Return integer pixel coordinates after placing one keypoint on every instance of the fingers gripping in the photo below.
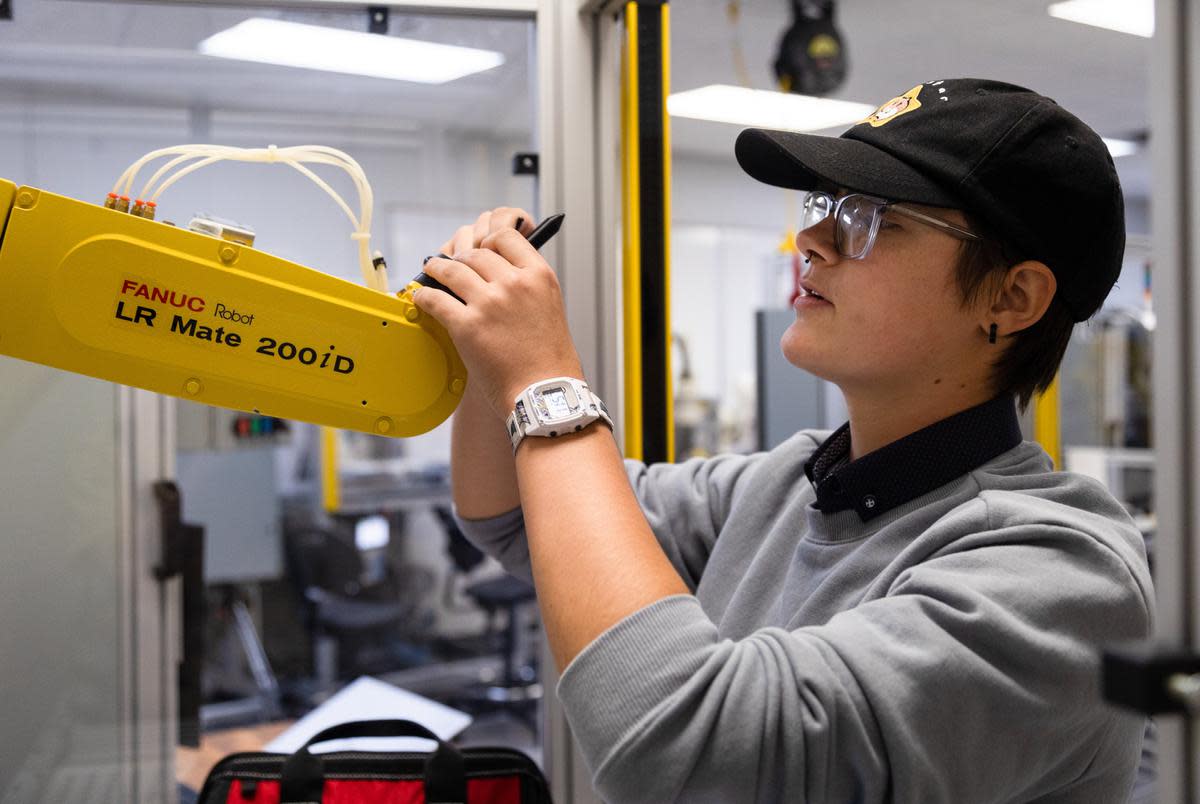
(509, 218)
(514, 248)
(461, 279)
(472, 235)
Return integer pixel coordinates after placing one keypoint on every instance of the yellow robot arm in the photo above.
(136, 301)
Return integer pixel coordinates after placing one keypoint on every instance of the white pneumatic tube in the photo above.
(201, 155)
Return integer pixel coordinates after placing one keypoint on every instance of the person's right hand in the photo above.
(471, 236)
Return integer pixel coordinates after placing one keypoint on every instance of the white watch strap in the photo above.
(518, 420)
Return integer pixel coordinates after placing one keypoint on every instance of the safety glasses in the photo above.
(858, 218)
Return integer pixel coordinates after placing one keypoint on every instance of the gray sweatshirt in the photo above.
(944, 651)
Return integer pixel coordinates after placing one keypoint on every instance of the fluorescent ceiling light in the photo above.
(765, 109)
(1119, 148)
(1126, 16)
(314, 47)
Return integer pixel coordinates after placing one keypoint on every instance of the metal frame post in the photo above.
(1175, 103)
(574, 177)
(646, 173)
(150, 610)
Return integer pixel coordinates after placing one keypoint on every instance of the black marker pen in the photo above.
(539, 237)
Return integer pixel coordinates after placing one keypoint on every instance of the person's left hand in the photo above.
(512, 329)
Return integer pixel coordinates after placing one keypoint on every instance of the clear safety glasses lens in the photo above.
(817, 207)
(857, 220)
(857, 225)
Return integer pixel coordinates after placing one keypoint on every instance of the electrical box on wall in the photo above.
(205, 428)
(789, 399)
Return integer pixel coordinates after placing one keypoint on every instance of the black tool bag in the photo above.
(449, 775)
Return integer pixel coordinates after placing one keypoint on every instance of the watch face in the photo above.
(556, 405)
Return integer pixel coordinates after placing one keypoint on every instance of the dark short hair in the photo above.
(1028, 360)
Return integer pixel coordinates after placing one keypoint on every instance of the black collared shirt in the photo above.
(916, 464)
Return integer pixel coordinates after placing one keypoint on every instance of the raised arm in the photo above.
(482, 473)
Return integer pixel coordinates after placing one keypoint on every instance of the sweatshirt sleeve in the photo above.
(974, 675)
(686, 505)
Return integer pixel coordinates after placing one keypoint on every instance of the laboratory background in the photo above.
(181, 581)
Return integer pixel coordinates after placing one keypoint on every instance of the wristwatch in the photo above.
(555, 407)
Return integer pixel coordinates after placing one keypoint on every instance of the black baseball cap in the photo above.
(1034, 174)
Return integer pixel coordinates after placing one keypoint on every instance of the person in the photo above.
(907, 609)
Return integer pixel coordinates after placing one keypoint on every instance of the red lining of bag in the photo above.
(500, 790)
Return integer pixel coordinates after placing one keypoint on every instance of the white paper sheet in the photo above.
(369, 698)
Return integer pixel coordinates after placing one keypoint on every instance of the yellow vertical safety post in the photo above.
(646, 183)
(1047, 429)
(331, 493)
(630, 251)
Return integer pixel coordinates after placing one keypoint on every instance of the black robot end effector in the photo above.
(539, 237)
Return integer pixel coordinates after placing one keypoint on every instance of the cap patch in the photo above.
(902, 104)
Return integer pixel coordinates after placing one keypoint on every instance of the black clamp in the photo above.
(1152, 679)
(183, 554)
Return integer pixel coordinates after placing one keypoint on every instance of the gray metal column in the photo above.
(151, 609)
(1175, 100)
(577, 78)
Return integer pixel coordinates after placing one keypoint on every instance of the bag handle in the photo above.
(303, 777)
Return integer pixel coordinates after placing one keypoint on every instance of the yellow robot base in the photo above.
(111, 295)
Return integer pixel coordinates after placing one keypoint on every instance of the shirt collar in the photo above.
(914, 465)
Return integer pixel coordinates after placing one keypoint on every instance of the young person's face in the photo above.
(893, 321)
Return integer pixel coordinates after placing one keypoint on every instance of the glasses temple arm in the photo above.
(946, 226)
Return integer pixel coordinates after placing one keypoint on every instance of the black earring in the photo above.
(992, 334)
